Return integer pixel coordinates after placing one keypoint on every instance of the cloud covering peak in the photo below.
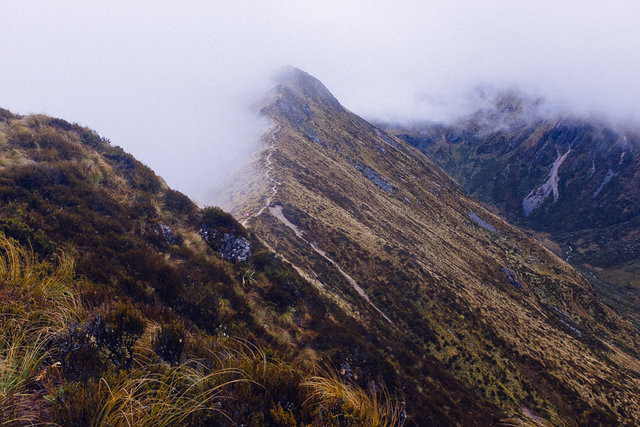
(171, 82)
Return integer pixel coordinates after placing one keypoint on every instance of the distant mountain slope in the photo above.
(578, 180)
(123, 303)
(438, 282)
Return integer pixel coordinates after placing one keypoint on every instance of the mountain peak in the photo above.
(293, 82)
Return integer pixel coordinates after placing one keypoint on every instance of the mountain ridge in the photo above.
(456, 317)
(409, 236)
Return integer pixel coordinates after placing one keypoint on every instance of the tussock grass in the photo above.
(373, 408)
(166, 398)
(36, 292)
(36, 301)
(22, 352)
(39, 302)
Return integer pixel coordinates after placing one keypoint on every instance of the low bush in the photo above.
(116, 332)
(169, 342)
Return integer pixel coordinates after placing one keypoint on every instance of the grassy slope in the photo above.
(596, 225)
(139, 330)
(549, 345)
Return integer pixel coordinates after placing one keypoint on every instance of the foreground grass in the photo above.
(36, 302)
(373, 407)
(165, 399)
(221, 381)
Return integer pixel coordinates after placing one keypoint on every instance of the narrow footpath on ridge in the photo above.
(276, 211)
(269, 175)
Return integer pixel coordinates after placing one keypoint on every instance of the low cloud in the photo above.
(173, 82)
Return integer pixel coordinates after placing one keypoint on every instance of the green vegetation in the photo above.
(114, 310)
(219, 380)
(499, 155)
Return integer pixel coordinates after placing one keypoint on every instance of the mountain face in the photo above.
(479, 321)
(576, 180)
(123, 303)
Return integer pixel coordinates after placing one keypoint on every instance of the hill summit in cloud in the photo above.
(441, 285)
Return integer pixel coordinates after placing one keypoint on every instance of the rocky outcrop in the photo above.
(235, 249)
(231, 247)
(482, 223)
(166, 232)
(512, 276)
(374, 177)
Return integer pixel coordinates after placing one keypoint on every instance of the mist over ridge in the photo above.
(173, 83)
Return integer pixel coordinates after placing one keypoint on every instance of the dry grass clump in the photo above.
(36, 292)
(36, 301)
(372, 407)
(169, 397)
(21, 354)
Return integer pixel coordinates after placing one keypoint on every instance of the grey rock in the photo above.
(163, 230)
(387, 139)
(167, 233)
(481, 222)
(232, 248)
(235, 249)
(209, 234)
(380, 148)
(511, 275)
(375, 178)
(312, 135)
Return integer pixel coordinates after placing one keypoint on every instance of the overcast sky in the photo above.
(171, 81)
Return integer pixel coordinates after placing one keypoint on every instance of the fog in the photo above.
(173, 82)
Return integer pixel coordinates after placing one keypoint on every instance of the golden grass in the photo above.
(167, 398)
(388, 245)
(373, 407)
(21, 354)
(44, 291)
(36, 301)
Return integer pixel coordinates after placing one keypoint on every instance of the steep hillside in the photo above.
(123, 303)
(471, 313)
(577, 180)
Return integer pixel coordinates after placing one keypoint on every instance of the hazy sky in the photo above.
(171, 81)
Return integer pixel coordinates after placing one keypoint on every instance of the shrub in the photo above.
(15, 228)
(168, 342)
(178, 203)
(224, 222)
(6, 115)
(282, 295)
(143, 178)
(79, 403)
(117, 332)
(92, 139)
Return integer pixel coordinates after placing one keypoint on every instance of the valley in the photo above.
(575, 179)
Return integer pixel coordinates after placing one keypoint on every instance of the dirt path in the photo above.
(276, 211)
(269, 175)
